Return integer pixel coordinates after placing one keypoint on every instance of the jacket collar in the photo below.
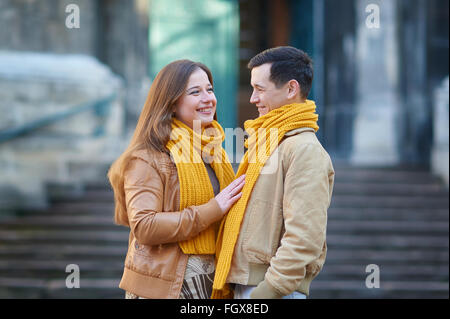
(299, 130)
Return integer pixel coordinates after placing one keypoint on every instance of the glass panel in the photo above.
(206, 31)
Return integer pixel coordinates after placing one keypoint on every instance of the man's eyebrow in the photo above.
(258, 86)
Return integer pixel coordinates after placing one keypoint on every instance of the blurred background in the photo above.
(73, 79)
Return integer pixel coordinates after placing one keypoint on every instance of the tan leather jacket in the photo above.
(155, 264)
(282, 241)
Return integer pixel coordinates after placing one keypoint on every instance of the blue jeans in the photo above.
(243, 292)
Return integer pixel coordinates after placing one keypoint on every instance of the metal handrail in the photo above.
(99, 106)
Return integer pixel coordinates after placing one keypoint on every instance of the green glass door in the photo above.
(205, 31)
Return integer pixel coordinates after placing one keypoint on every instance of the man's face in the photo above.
(266, 96)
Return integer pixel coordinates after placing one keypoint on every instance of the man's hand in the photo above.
(265, 291)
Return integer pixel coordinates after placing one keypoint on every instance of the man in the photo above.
(272, 243)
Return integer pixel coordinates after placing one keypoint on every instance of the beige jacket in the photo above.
(282, 241)
(155, 264)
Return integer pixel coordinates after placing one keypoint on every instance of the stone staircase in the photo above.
(397, 219)
(37, 246)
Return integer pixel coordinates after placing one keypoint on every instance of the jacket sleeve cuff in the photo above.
(210, 212)
(265, 291)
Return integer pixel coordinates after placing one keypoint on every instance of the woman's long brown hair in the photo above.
(154, 124)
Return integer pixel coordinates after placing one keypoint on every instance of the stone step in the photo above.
(354, 238)
(374, 175)
(367, 175)
(347, 268)
(97, 196)
(37, 251)
(356, 201)
(333, 289)
(82, 209)
(397, 220)
(384, 227)
(335, 255)
(387, 272)
(344, 176)
(390, 289)
(386, 256)
(51, 236)
(340, 189)
(97, 185)
(92, 270)
(398, 189)
(57, 268)
(397, 214)
(79, 208)
(383, 241)
(60, 274)
(349, 202)
(11, 287)
(334, 226)
(58, 221)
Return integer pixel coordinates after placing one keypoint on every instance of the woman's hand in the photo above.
(230, 194)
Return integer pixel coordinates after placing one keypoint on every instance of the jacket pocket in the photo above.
(262, 233)
(158, 261)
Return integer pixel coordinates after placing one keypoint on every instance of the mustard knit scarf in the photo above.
(283, 119)
(187, 148)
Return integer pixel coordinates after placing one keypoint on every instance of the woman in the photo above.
(172, 186)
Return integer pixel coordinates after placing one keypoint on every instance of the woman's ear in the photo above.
(293, 89)
(174, 110)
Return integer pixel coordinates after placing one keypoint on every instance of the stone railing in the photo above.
(62, 122)
(440, 151)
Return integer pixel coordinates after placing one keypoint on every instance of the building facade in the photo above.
(381, 67)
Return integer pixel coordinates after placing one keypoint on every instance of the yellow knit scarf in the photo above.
(187, 147)
(283, 119)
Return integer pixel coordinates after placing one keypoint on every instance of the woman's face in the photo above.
(198, 102)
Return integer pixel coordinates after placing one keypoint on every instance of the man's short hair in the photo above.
(288, 63)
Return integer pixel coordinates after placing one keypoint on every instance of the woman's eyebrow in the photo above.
(197, 87)
(193, 87)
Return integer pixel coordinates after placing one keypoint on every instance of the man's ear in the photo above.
(294, 89)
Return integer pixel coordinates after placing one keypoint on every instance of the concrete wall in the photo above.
(47, 68)
(36, 86)
(113, 31)
(40, 26)
(440, 151)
